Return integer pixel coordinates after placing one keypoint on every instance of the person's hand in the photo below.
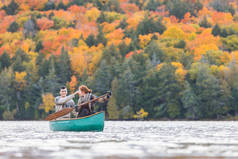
(109, 93)
(77, 92)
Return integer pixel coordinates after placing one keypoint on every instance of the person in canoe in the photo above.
(85, 95)
(64, 101)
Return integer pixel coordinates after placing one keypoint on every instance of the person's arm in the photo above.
(72, 104)
(100, 100)
(65, 99)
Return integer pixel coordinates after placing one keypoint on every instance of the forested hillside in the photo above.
(168, 59)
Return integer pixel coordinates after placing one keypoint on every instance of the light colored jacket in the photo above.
(64, 102)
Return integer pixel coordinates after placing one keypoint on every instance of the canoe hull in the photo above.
(93, 122)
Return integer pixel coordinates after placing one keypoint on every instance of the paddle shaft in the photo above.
(68, 110)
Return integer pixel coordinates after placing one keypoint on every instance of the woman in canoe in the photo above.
(85, 95)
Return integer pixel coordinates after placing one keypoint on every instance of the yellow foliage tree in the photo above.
(180, 72)
(202, 49)
(127, 41)
(141, 114)
(92, 14)
(20, 80)
(214, 69)
(174, 32)
(159, 66)
(48, 102)
(144, 40)
(114, 16)
(79, 63)
(109, 27)
(28, 45)
(31, 65)
(203, 43)
(115, 37)
(234, 55)
(95, 55)
(223, 70)
(135, 19)
(177, 64)
(222, 18)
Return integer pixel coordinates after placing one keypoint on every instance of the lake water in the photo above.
(121, 139)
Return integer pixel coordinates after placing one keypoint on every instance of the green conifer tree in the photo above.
(112, 108)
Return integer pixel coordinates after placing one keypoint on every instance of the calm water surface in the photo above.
(121, 139)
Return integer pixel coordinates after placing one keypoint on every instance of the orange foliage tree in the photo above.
(44, 23)
(72, 84)
(203, 43)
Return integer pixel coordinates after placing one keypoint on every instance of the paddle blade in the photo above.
(59, 114)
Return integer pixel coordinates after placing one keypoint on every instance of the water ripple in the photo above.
(122, 139)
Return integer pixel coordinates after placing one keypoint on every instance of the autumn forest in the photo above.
(162, 59)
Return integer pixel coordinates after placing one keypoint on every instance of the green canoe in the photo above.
(94, 122)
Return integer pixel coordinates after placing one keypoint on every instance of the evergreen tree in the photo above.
(79, 2)
(209, 92)
(61, 6)
(111, 56)
(49, 6)
(12, 8)
(114, 5)
(101, 18)
(123, 24)
(51, 82)
(39, 46)
(5, 61)
(161, 93)
(179, 8)
(216, 30)
(127, 90)
(204, 23)
(63, 67)
(33, 97)
(232, 80)
(181, 44)
(43, 65)
(123, 49)
(222, 6)
(190, 103)
(6, 91)
(230, 43)
(90, 41)
(112, 108)
(13, 27)
(102, 78)
(139, 65)
(18, 60)
(169, 92)
(155, 53)
(148, 25)
(100, 38)
(153, 5)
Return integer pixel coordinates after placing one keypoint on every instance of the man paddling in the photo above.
(64, 101)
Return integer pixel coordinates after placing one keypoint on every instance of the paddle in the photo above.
(68, 110)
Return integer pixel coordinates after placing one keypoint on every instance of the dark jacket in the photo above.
(86, 109)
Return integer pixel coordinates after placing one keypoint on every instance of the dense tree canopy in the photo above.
(162, 59)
